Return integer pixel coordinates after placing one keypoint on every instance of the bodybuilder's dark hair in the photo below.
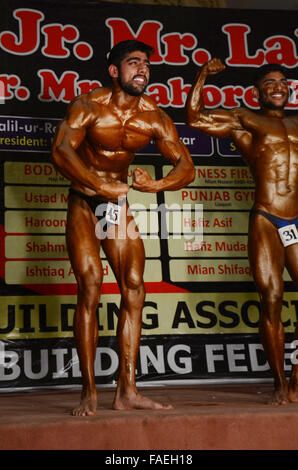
(123, 48)
(264, 70)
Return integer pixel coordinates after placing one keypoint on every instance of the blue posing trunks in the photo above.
(287, 228)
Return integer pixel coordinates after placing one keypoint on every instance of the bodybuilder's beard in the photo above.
(130, 88)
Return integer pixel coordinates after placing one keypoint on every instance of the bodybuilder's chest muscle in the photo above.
(113, 133)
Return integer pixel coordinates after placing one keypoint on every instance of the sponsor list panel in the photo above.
(35, 200)
(213, 221)
(205, 226)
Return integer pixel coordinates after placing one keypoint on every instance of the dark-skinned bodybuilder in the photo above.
(268, 141)
(93, 148)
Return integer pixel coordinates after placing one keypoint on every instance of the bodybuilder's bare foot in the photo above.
(87, 406)
(280, 396)
(138, 402)
(293, 391)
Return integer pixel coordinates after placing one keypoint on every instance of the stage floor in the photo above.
(205, 417)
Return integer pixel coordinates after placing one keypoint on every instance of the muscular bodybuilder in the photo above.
(268, 141)
(93, 148)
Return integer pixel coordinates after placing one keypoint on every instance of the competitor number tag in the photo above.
(113, 213)
(288, 234)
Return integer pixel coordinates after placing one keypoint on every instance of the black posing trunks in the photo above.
(99, 207)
